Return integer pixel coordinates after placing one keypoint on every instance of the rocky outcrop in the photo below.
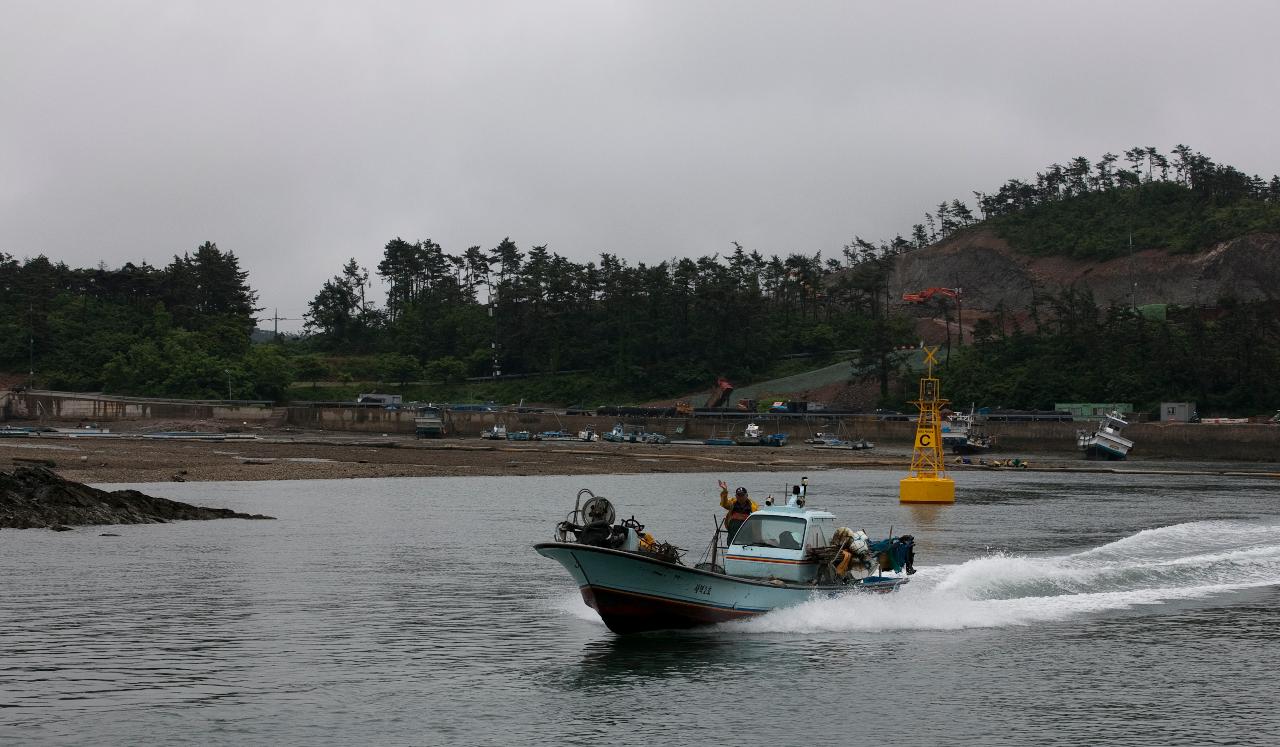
(992, 273)
(32, 497)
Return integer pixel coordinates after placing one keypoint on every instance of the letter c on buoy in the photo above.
(924, 441)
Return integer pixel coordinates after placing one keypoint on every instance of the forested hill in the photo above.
(1180, 203)
(642, 330)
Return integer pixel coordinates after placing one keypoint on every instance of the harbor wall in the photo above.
(1246, 442)
(62, 407)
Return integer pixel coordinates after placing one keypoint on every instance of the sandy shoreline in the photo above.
(318, 456)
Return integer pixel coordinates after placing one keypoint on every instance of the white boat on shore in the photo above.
(1105, 442)
(828, 440)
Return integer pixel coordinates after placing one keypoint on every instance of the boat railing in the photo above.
(713, 558)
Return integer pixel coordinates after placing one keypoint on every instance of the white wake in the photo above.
(1156, 566)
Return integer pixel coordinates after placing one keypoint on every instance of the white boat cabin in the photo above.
(772, 543)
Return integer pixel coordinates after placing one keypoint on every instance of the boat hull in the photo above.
(636, 593)
(1104, 452)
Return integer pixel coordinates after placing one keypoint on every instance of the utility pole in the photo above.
(228, 373)
(1133, 281)
(31, 346)
(276, 319)
(493, 345)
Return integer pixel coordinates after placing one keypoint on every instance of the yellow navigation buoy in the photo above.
(928, 481)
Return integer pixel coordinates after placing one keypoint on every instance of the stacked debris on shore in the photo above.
(34, 497)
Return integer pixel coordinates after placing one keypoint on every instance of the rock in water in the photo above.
(32, 497)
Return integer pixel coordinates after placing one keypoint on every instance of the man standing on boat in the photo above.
(740, 507)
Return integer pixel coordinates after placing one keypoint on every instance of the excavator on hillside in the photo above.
(954, 294)
(927, 293)
(720, 395)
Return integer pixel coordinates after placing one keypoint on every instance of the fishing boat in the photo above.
(965, 434)
(634, 435)
(497, 433)
(754, 435)
(955, 429)
(428, 422)
(828, 440)
(1105, 442)
(782, 555)
(857, 444)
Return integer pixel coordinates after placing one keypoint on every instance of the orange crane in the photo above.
(954, 294)
(927, 293)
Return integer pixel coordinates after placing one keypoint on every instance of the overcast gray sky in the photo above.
(298, 134)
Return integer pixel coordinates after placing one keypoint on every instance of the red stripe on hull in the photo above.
(627, 612)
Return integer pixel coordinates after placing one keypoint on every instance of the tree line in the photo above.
(181, 330)
(1223, 358)
(654, 327)
(662, 328)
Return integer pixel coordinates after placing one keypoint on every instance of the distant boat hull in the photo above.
(1103, 452)
(635, 593)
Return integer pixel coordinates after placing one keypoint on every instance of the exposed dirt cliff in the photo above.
(991, 273)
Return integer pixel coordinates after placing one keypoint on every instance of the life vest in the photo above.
(740, 511)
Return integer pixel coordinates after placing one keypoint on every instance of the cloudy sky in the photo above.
(298, 134)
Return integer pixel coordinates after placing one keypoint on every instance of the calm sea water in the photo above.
(1103, 608)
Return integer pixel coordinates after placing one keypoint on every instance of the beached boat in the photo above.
(965, 434)
(428, 422)
(827, 440)
(497, 433)
(1105, 442)
(619, 434)
(754, 435)
(955, 429)
(857, 444)
(781, 556)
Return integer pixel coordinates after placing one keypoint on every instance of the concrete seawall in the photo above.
(66, 407)
(1244, 442)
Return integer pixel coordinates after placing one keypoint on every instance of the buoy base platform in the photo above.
(927, 490)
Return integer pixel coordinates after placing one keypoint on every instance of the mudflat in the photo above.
(321, 455)
(312, 456)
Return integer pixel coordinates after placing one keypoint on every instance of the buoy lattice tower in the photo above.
(928, 481)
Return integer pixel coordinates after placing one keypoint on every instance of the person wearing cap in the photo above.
(740, 507)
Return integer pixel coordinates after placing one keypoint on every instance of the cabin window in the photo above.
(819, 533)
(785, 532)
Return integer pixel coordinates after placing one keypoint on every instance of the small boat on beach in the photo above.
(428, 422)
(497, 433)
(965, 434)
(1105, 442)
(782, 555)
(633, 435)
(754, 435)
(828, 440)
